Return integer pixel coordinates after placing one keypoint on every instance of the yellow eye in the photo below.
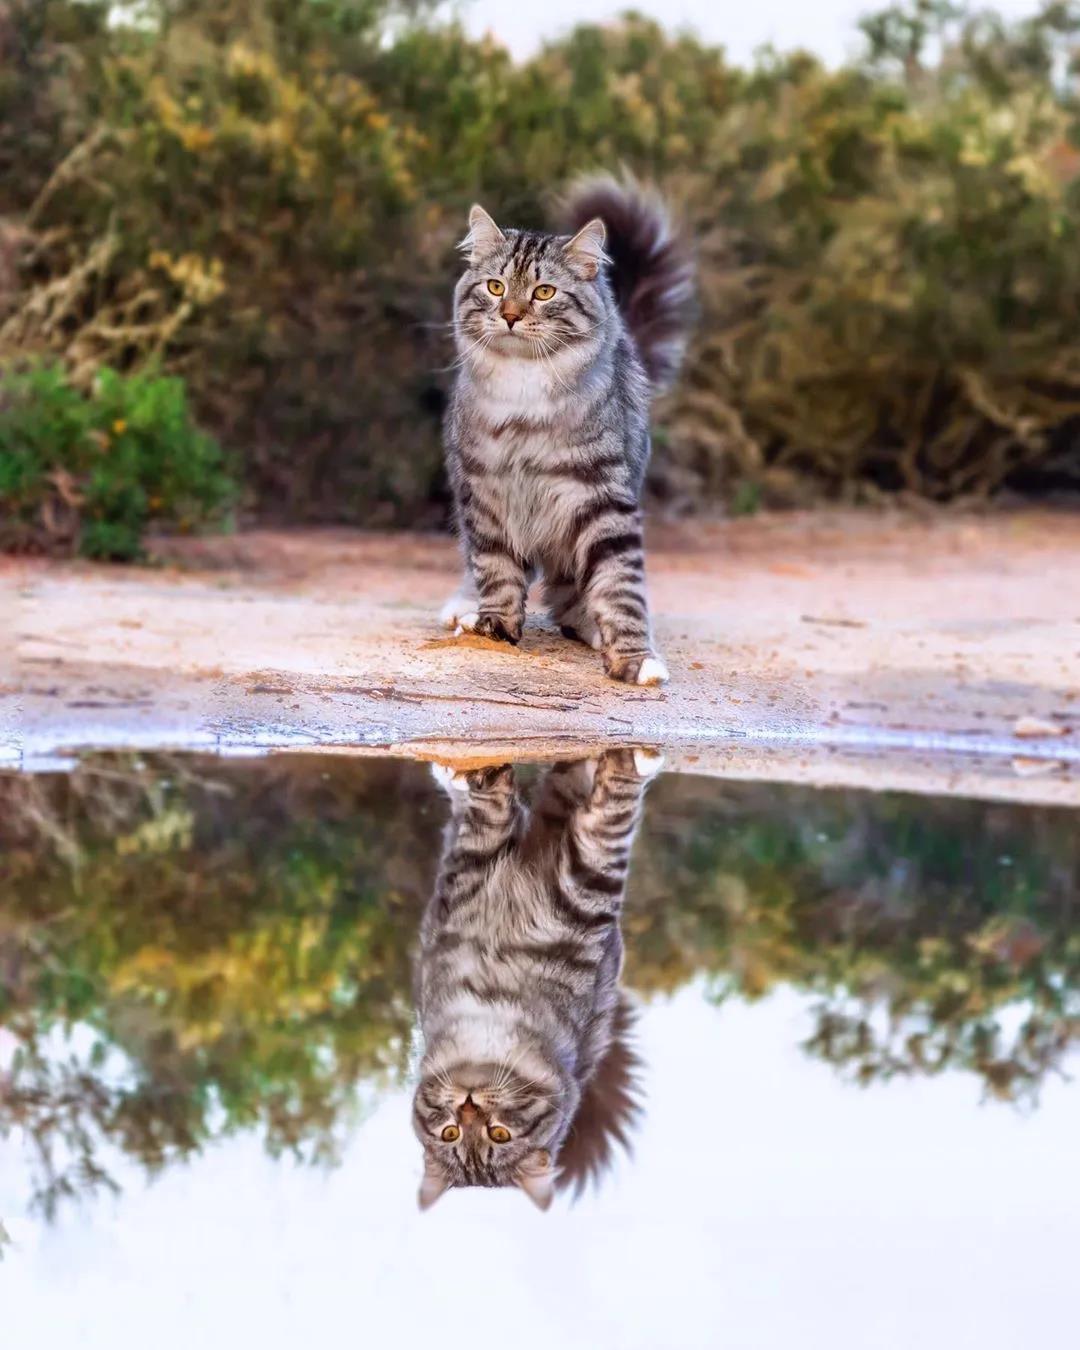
(544, 292)
(498, 1134)
(496, 287)
(450, 1134)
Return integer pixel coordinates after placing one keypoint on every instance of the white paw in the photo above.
(455, 607)
(653, 671)
(449, 779)
(467, 623)
(648, 763)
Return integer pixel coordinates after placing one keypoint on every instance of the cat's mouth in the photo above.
(518, 344)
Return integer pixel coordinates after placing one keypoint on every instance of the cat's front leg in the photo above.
(486, 807)
(501, 583)
(595, 851)
(611, 583)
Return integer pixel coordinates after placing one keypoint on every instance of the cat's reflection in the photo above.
(526, 1077)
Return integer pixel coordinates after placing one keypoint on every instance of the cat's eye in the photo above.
(450, 1133)
(496, 287)
(544, 292)
(498, 1134)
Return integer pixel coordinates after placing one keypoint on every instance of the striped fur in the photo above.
(517, 977)
(547, 433)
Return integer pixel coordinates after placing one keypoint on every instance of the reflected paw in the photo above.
(450, 780)
(648, 763)
(491, 778)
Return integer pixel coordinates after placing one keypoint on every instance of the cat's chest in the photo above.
(524, 484)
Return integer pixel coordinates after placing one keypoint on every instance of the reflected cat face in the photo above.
(488, 1125)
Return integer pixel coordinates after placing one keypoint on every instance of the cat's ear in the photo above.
(585, 252)
(434, 1183)
(536, 1177)
(484, 235)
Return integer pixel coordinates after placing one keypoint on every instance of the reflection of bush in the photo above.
(244, 944)
(268, 193)
(917, 924)
(234, 942)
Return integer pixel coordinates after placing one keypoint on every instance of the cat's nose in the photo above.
(467, 1111)
(511, 313)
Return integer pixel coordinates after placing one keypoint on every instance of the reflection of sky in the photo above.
(769, 1205)
(827, 27)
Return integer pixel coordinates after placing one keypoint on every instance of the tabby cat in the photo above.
(517, 978)
(562, 339)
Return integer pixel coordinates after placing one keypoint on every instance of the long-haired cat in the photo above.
(523, 1023)
(562, 341)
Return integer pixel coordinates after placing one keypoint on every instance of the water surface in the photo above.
(854, 1126)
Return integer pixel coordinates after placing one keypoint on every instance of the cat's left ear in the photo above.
(585, 252)
(435, 1182)
(536, 1177)
(484, 235)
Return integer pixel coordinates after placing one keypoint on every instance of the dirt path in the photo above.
(835, 649)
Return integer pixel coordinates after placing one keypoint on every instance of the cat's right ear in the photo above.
(484, 235)
(435, 1182)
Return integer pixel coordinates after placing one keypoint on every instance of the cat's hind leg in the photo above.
(565, 607)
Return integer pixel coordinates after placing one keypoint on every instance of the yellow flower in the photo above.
(119, 427)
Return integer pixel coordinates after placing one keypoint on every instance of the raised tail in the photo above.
(652, 273)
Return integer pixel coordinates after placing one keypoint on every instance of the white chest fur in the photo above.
(522, 404)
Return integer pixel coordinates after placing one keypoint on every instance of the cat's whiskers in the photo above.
(483, 341)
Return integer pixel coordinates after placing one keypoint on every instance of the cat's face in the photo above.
(488, 1125)
(530, 295)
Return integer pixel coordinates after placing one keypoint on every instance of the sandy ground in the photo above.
(938, 654)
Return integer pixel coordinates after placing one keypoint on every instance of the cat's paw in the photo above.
(652, 671)
(636, 668)
(648, 763)
(582, 630)
(451, 613)
(486, 623)
(450, 780)
(491, 778)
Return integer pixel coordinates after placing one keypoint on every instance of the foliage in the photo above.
(188, 951)
(267, 194)
(91, 472)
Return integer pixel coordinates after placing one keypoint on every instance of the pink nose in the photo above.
(511, 313)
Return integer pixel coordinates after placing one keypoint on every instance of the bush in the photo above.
(266, 194)
(90, 473)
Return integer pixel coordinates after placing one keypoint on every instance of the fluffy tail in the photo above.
(652, 273)
(610, 1104)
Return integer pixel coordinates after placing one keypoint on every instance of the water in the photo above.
(855, 1014)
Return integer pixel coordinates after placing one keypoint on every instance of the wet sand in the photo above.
(937, 654)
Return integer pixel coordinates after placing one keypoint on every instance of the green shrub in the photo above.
(91, 473)
(265, 195)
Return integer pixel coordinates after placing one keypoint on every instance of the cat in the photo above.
(562, 339)
(523, 1023)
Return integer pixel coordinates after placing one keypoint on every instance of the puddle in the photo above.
(825, 1102)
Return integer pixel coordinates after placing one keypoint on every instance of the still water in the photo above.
(827, 1104)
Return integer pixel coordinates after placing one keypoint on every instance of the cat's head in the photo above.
(530, 294)
(488, 1125)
